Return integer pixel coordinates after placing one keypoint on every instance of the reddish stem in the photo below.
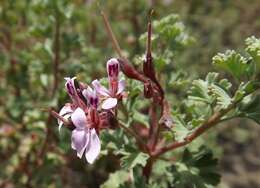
(212, 121)
(148, 169)
(153, 126)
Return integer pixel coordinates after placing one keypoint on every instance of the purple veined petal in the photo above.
(79, 140)
(93, 148)
(69, 85)
(113, 68)
(79, 118)
(109, 103)
(121, 86)
(91, 96)
(100, 89)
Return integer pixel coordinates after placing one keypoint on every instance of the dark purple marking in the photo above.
(70, 88)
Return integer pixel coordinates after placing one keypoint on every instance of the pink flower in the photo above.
(116, 87)
(85, 118)
(77, 100)
(84, 138)
(83, 112)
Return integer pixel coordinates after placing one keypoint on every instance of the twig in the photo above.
(111, 35)
(153, 126)
(208, 124)
(149, 71)
(211, 122)
(135, 25)
(148, 168)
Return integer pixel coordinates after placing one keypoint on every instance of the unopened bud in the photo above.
(130, 71)
(113, 69)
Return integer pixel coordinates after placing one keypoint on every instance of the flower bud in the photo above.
(113, 69)
(70, 86)
(130, 71)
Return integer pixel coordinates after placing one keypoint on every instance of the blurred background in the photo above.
(43, 41)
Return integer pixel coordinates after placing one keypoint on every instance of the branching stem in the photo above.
(211, 122)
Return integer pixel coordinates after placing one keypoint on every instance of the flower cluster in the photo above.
(91, 109)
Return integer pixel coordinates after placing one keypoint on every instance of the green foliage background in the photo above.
(32, 152)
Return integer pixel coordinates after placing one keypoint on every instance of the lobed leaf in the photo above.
(232, 62)
(251, 109)
(253, 48)
(130, 160)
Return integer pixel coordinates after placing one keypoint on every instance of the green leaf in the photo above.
(244, 88)
(251, 109)
(116, 179)
(233, 63)
(224, 83)
(171, 30)
(130, 160)
(179, 129)
(197, 169)
(223, 99)
(141, 118)
(253, 48)
(199, 91)
(212, 77)
(196, 122)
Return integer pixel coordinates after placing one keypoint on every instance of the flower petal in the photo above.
(109, 103)
(87, 92)
(66, 112)
(70, 87)
(65, 109)
(121, 86)
(79, 141)
(92, 97)
(100, 89)
(67, 116)
(93, 148)
(79, 118)
(113, 68)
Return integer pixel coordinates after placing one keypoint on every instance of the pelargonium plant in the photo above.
(91, 109)
(95, 107)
